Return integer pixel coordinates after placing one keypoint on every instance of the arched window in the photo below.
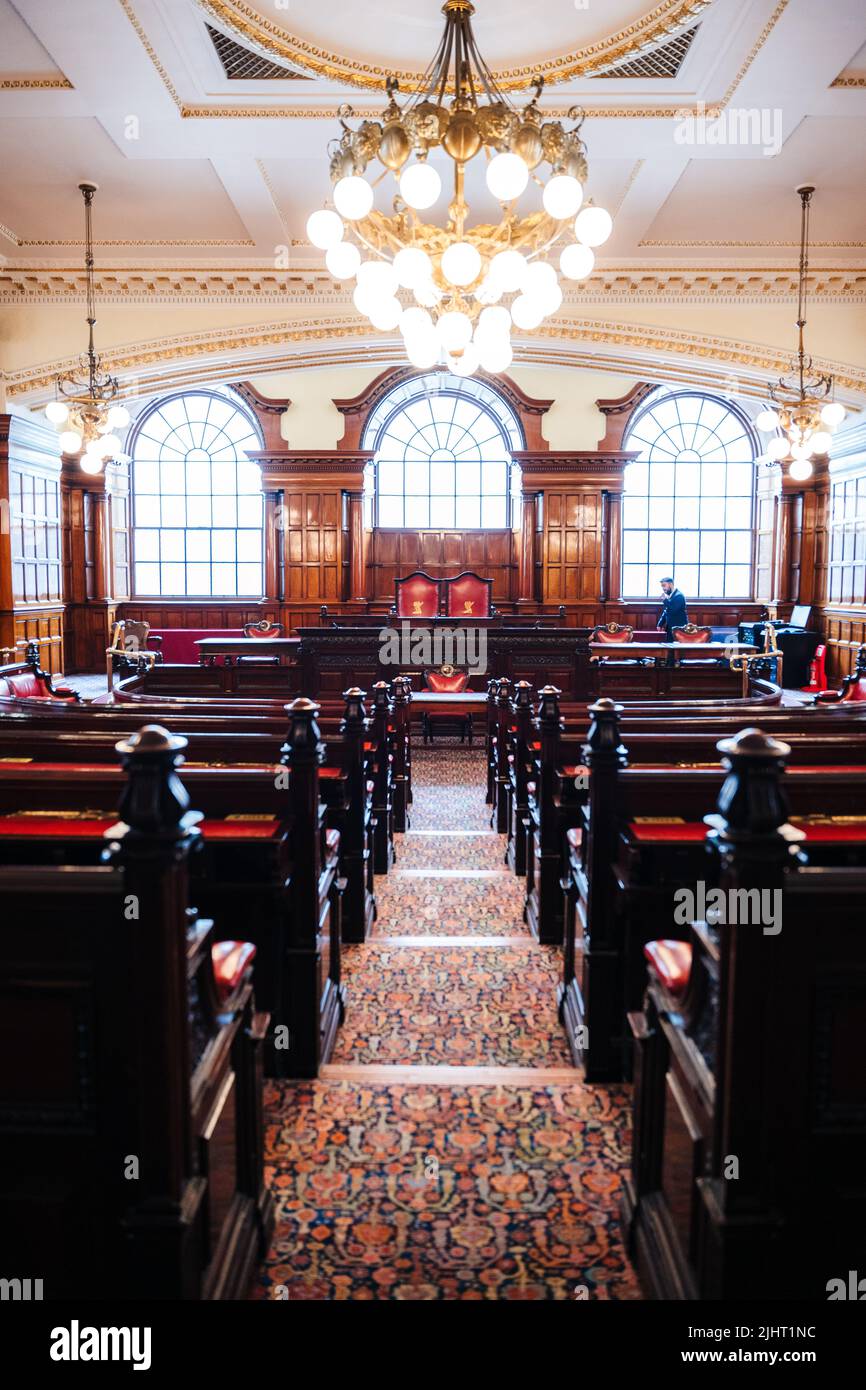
(197, 499)
(687, 503)
(443, 460)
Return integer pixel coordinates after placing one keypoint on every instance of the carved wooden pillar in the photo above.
(526, 567)
(785, 518)
(102, 585)
(613, 556)
(273, 532)
(357, 556)
(813, 535)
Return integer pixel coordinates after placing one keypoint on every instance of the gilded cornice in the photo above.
(271, 39)
(667, 19)
(741, 368)
(45, 284)
(35, 84)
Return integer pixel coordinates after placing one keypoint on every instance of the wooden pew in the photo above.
(629, 858)
(266, 857)
(748, 1171)
(130, 1091)
(240, 734)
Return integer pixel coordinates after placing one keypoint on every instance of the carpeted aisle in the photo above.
(449, 1151)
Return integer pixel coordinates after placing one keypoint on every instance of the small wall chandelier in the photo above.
(460, 276)
(85, 410)
(800, 407)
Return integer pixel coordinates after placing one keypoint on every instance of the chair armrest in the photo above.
(827, 697)
(154, 641)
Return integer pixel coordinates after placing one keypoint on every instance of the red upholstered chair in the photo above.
(817, 671)
(853, 690)
(446, 681)
(612, 632)
(232, 961)
(671, 963)
(692, 634)
(467, 595)
(416, 596)
(258, 632)
(25, 680)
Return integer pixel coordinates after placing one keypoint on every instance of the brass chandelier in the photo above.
(800, 407)
(85, 409)
(469, 283)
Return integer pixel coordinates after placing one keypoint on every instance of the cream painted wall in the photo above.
(312, 422)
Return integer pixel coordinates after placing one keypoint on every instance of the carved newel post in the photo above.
(152, 846)
(382, 808)
(358, 901)
(402, 768)
(603, 963)
(503, 739)
(755, 846)
(521, 713)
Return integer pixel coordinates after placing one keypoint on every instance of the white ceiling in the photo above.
(205, 181)
(189, 161)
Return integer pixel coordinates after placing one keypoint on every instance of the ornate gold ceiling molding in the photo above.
(755, 245)
(35, 84)
(42, 285)
(164, 241)
(666, 19)
(857, 81)
(266, 37)
(225, 352)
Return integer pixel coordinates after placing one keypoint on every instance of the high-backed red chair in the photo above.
(467, 595)
(612, 632)
(817, 671)
(258, 631)
(691, 634)
(416, 596)
(853, 690)
(447, 680)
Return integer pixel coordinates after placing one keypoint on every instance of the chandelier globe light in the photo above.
(457, 288)
(800, 416)
(86, 411)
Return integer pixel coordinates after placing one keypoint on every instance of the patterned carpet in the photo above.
(441, 1193)
(437, 1181)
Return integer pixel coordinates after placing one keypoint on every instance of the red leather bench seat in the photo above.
(178, 643)
(847, 831)
(94, 828)
(230, 962)
(27, 686)
(671, 963)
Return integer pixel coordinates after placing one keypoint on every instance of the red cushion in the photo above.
(230, 961)
(273, 630)
(671, 962)
(417, 597)
(178, 643)
(441, 685)
(467, 597)
(575, 771)
(703, 634)
(659, 832)
(602, 635)
(856, 693)
(27, 685)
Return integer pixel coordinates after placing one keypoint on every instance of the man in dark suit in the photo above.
(673, 612)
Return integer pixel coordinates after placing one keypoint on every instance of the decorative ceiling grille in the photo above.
(665, 61)
(242, 65)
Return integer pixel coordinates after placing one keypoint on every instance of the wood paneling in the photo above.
(31, 567)
(394, 554)
(844, 617)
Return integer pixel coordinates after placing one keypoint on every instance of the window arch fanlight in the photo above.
(443, 455)
(196, 498)
(688, 497)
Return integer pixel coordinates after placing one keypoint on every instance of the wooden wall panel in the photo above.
(394, 554)
(844, 617)
(31, 527)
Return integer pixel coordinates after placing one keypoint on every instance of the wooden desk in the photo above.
(457, 704)
(286, 648)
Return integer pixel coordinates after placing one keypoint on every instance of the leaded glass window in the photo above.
(197, 499)
(687, 500)
(443, 460)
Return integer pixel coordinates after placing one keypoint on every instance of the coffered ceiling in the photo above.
(207, 175)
